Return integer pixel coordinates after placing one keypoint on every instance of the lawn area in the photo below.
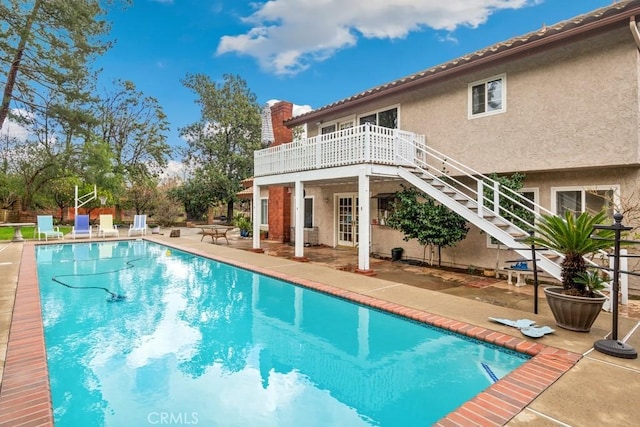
(6, 233)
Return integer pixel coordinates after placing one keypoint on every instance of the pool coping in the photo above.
(25, 396)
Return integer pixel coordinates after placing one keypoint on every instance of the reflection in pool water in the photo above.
(201, 342)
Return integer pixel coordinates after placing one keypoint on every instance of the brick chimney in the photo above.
(280, 197)
(280, 112)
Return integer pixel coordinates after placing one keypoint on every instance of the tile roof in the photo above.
(609, 15)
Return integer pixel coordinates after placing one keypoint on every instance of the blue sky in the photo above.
(309, 52)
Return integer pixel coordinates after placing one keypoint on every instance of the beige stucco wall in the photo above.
(576, 106)
(571, 121)
(570, 107)
(474, 250)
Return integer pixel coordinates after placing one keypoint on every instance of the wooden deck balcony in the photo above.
(361, 144)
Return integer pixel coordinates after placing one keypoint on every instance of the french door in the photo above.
(347, 215)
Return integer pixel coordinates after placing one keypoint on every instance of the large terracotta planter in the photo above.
(571, 312)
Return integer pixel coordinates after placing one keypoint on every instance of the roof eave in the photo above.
(452, 69)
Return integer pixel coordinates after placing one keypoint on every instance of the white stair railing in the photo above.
(504, 214)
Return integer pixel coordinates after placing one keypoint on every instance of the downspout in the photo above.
(634, 31)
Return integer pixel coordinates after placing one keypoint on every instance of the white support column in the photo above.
(364, 219)
(257, 212)
(299, 219)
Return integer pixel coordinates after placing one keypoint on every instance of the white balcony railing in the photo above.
(361, 144)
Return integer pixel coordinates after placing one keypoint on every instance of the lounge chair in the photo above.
(45, 226)
(81, 227)
(139, 225)
(106, 227)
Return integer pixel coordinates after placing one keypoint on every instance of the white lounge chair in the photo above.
(45, 226)
(139, 225)
(106, 227)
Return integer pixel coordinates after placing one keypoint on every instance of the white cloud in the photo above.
(12, 129)
(297, 109)
(173, 170)
(289, 35)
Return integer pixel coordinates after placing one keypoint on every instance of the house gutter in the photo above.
(454, 68)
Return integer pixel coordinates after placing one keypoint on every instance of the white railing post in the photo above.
(496, 198)
(367, 142)
(480, 198)
(395, 155)
(318, 152)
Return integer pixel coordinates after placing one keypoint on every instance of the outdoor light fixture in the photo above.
(103, 200)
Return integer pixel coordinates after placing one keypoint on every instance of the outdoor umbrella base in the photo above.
(615, 348)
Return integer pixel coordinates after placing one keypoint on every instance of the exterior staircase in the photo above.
(502, 213)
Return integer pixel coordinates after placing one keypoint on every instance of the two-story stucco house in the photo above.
(560, 105)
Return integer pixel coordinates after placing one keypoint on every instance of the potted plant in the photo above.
(244, 224)
(577, 303)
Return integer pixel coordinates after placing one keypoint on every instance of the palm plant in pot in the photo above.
(577, 303)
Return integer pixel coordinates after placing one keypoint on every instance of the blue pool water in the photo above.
(198, 342)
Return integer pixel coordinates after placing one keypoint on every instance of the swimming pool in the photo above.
(200, 342)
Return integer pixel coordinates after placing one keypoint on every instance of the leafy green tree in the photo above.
(195, 198)
(134, 128)
(141, 196)
(46, 47)
(62, 191)
(221, 144)
(427, 222)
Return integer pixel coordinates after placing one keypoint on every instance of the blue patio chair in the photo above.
(139, 225)
(45, 226)
(81, 227)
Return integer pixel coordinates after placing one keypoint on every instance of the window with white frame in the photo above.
(385, 118)
(333, 127)
(585, 199)
(532, 202)
(308, 212)
(264, 211)
(488, 96)
(328, 129)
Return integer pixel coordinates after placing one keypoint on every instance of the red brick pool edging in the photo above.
(25, 396)
(494, 406)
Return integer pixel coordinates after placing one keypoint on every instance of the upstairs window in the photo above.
(328, 129)
(487, 97)
(387, 118)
